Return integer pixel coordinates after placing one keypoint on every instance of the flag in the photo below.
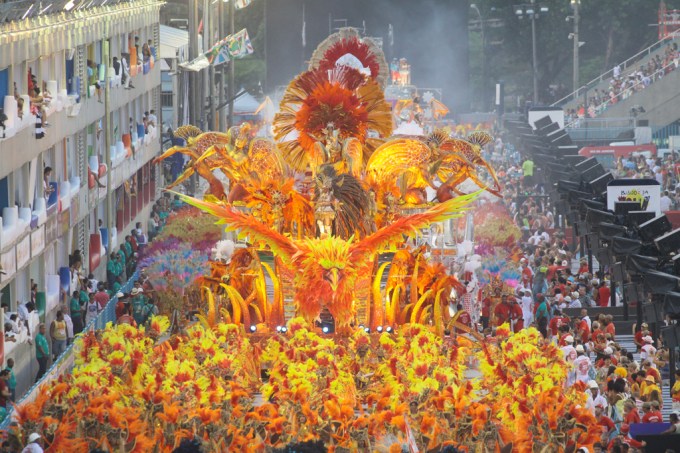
(196, 64)
(240, 45)
(219, 52)
(240, 4)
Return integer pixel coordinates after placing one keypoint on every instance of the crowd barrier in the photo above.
(66, 360)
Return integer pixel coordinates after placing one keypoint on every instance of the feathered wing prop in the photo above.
(352, 202)
(187, 132)
(400, 157)
(246, 225)
(411, 225)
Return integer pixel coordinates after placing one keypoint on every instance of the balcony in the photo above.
(66, 118)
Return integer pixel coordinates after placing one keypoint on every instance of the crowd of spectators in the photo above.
(623, 85)
(87, 299)
(556, 294)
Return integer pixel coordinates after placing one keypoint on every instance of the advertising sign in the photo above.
(645, 191)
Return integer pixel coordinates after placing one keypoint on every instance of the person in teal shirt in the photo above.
(138, 304)
(121, 254)
(42, 351)
(542, 315)
(127, 247)
(12, 382)
(76, 310)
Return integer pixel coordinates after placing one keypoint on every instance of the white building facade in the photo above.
(97, 144)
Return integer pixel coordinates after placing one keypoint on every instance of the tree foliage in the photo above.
(613, 30)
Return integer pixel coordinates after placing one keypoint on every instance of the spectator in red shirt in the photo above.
(603, 295)
(464, 317)
(651, 416)
(624, 437)
(101, 297)
(583, 267)
(120, 305)
(502, 311)
(557, 321)
(630, 413)
(640, 334)
(486, 311)
(609, 327)
(605, 422)
(583, 331)
(517, 316)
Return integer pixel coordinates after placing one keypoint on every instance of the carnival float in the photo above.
(327, 312)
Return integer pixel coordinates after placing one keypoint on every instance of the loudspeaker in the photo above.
(671, 336)
(669, 242)
(641, 264)
(599, 184)
(653, 312)
(594, 217)
(635, 218)
(586, 164)
(571, 160)
(660, 282)
(625, 246)
(654, 228)
(543, 122)
(624, 207)
(618, 272)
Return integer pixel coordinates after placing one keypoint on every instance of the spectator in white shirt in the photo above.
(647, 351)
(665, 202)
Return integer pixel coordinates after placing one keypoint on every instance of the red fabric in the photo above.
(465, 319)
(101, 298)
(606, 422)
(517, 317)
(585, 331)
(120, 309)
(652, 417)
(3, 399)
(486, 307)
(632, 417)
(502, 313)
(638, 338)
(610, 329)
(528, 274)
(603, 296)
(556, 322)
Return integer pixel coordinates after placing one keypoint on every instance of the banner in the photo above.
(240, 45)
(645, 191)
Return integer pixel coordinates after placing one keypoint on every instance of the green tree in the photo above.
(613, 30)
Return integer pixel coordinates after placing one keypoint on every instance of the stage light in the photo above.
(253, 329)
(389, 329)
(284, 329)
(69, 6)
(325, 329)
(367, 330)
(278, 329)
(361, 326)
(379, 329)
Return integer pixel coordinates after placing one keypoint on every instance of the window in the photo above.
(4, 84)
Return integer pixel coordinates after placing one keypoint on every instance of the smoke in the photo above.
(430, 34)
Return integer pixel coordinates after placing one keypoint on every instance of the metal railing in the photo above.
(66, 360)
(625, 65)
